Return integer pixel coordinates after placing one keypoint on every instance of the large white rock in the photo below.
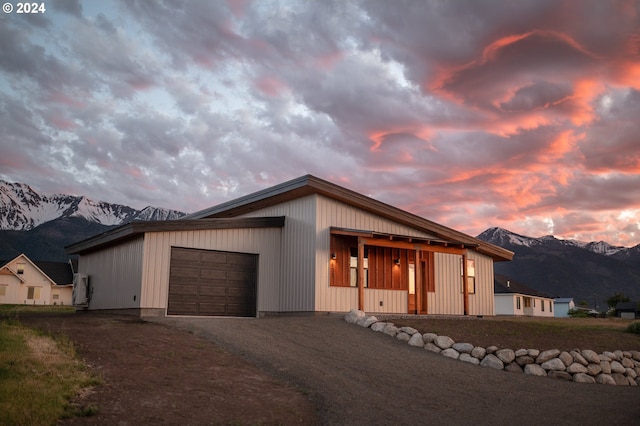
(605, 379)
(594, 369)
(369, 321)
(432, 348)
(390, 330)
(478, 352)
(450, 353)
(533, 353)
(465, 348)
(429, 337)
(630, 372)
(378, 326)
(506, 355)
(591, 356)
(635, 355)
(353, 316)
(525, 360)
(513, 368)
(492, 361)
(403, 336)
(468, 358)
(616, 367)
(627, 363)
(621, 379)
(534, 370)
(566, 358)
(521, 352)
(553, 364)
(547, 355)
(606, 367)
(577, 357)
(409, 330)
(576, 367)
(492, 349)
(443, 342)
(583, 378)
(416, 340)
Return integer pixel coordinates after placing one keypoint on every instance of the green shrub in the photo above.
(634, 328)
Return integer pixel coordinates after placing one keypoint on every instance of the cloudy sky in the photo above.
(519, 114)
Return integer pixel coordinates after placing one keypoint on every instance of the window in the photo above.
(33, 293)
(542, 305)
(471, 276)
(3, 290)
(20, 268)
(550, 306)
(518, 303)
(527, 302)
(55, 295)
(353, 267)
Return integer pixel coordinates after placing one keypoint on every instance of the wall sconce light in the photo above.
(333, 256)
(396, 261)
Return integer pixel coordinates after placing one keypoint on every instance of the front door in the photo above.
(412, 289)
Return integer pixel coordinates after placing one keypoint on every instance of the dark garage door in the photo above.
(208, 282)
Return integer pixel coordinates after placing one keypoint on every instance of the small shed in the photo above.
(562, 306)
(627, 310)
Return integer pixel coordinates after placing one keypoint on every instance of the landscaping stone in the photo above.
(403, 336)
(583, 378)
(416, 340)
(512, 367)
(630, 372)
(534, 370)
(390, 330)
(492, 361)
(553, 364)
(627, 363)
(566, 358)
(429, 337)
(524, 360)
(353, 316)
(378, 326)
(606, 367)
(616, 367)
(478, 352)
(521, 352)
(621, 379)
(468, 358)
(370, 321)
(635, 355)
(547, 355)
(506, 355)
(450, 353)
(409, 330)
(594, 369)
(492, 349)
(577, 357)
(562, 375)
(591, 356)
(605, 379)
(443, 342)
(576, 367)
(463, 347)
(533, 353)
(432, 348)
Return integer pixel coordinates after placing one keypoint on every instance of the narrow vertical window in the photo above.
(20, 268)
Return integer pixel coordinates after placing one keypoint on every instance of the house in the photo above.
(23, 281)
(562, 306)
(306, 245)
(629, 310)
(514, 298)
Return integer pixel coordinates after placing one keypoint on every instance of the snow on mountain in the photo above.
(22, 209)
(501, 236)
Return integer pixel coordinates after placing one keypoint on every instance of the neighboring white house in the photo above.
(513, 298)
(562, 306)
(23, 281)
(306, 245)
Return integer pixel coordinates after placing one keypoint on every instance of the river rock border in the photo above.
(582, 366)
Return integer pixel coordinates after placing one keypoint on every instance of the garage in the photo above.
(212, 283)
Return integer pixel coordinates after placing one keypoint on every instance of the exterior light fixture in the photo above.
(396, 261)
(333, 256)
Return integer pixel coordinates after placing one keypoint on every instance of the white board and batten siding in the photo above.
(265, 242)
(114, 275)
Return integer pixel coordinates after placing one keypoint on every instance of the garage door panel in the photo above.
(207, 282)
(212, 274)
(180, 289)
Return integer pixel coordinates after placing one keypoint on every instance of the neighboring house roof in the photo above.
(308, 184)
(59, 273)
(627, 306)
(563, 300)
(504, 285)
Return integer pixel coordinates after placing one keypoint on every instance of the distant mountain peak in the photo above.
(22, 209)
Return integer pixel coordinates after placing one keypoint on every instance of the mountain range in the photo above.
(42, 225)
(589, 272)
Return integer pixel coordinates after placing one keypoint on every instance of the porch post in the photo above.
(465, 288)
(361, 274)
(418, 281)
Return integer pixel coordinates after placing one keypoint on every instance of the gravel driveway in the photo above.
(358, 376)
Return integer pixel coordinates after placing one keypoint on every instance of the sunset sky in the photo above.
(473, 114)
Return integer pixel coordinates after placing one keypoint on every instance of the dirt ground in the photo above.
(307, 370)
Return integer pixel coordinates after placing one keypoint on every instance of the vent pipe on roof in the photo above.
(508, 284)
